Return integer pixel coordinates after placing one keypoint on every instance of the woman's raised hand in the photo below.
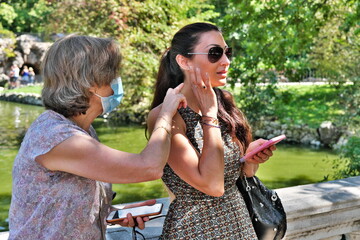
(202, 89)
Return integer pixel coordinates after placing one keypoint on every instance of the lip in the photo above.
(222, 73)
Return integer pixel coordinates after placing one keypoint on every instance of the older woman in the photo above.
(62, 171)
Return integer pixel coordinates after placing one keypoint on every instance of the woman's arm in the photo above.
(84, 156)
(204, 172)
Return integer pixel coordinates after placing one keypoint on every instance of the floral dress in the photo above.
(195, 215)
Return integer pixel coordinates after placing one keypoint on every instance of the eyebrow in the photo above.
(213, 44)
(216, 45)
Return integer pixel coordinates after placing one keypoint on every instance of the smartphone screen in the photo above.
(142, 211)
(269, 143)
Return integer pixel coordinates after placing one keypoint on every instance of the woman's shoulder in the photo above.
(154, 113)
(55, 125)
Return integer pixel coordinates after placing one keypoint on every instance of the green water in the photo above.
(290, 165)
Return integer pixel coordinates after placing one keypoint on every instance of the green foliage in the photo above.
(256, 101)
(336, 52)
(350, 99)
(269, 34)
(144, 30)
(279, 36)
(7, 15)
(8, 49)
(349, 163)
(24, 16)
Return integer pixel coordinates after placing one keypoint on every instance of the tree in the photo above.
(144, 30)
(274, 38)
(24, 16)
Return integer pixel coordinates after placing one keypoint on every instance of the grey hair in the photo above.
(71, 66)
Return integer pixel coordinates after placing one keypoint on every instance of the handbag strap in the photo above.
(274, 196)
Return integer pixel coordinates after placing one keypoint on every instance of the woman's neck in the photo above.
(83, 120)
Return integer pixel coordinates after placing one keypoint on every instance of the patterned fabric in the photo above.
(52, 204)
(195, 215)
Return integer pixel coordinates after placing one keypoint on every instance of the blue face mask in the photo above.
(111, 102)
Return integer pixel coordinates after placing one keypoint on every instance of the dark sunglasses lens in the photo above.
(215, 53)
(228, 53)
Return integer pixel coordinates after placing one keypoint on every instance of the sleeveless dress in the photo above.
(53, 204)
(196, 215)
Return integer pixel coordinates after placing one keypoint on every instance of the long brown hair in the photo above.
(170, 75)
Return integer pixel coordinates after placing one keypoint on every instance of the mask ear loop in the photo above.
(97, 95)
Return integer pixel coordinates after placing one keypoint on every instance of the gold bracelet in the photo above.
(165, 120)
(211, 120)
(167, 131)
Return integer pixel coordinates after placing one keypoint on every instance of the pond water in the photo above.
(291, 165)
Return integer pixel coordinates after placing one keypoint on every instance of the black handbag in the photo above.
(265, 208)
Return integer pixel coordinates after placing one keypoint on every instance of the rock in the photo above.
(328, 133)
(28, 49)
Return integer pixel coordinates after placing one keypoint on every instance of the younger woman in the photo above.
(208, 139)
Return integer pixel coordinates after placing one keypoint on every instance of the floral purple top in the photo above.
(53, 204)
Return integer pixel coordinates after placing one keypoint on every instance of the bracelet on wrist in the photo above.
(167, 131)
(210, 125)
(211, 120)
(167, 122)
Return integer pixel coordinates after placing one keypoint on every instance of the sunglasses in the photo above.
(215, 53)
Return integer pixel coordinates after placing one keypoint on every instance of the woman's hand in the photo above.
(130, 221)
(262, 156)
(202, 89)
(173, 101)
(252, 164)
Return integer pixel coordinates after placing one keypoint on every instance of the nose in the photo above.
(225, 61)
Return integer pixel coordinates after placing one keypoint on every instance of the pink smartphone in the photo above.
(269, 143)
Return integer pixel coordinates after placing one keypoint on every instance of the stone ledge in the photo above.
(315, 211)
(25, 98)
(327, 211)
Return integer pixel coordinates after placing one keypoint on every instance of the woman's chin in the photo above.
(220, 82)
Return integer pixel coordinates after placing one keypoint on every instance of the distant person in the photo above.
(62, 172)
(14, 76)
(31, 75)
(25, 75)
(208, 139)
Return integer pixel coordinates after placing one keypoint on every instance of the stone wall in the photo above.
(327, 134)
(321, 211)
(25, 98)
